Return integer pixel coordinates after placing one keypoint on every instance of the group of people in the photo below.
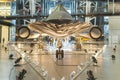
(114, 49)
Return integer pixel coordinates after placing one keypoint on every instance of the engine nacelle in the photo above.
(95, 33)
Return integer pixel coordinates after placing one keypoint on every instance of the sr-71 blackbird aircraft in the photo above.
(59, 24)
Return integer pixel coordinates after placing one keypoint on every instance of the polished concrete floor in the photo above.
(43, 65)
(6, 65)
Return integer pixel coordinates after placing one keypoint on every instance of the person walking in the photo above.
(3, 41)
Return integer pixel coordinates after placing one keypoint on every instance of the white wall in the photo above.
(114, 22)
(114, 29)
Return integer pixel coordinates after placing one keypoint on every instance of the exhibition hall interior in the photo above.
(59, 39)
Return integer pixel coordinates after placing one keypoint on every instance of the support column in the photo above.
(32, 7)
(113, 6)
(0, 34)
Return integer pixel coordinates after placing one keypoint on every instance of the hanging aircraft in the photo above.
(59, 24)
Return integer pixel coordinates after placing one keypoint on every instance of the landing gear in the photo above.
(59, 54)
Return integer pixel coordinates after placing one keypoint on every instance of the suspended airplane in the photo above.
(59, 24)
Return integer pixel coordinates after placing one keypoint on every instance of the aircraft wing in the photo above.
(62, 30)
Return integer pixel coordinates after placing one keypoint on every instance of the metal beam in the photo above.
(98, 14)
(42, 16)
(21, 17)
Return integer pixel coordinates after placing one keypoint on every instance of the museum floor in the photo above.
(43, 65)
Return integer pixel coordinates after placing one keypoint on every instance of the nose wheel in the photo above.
(95, 33)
